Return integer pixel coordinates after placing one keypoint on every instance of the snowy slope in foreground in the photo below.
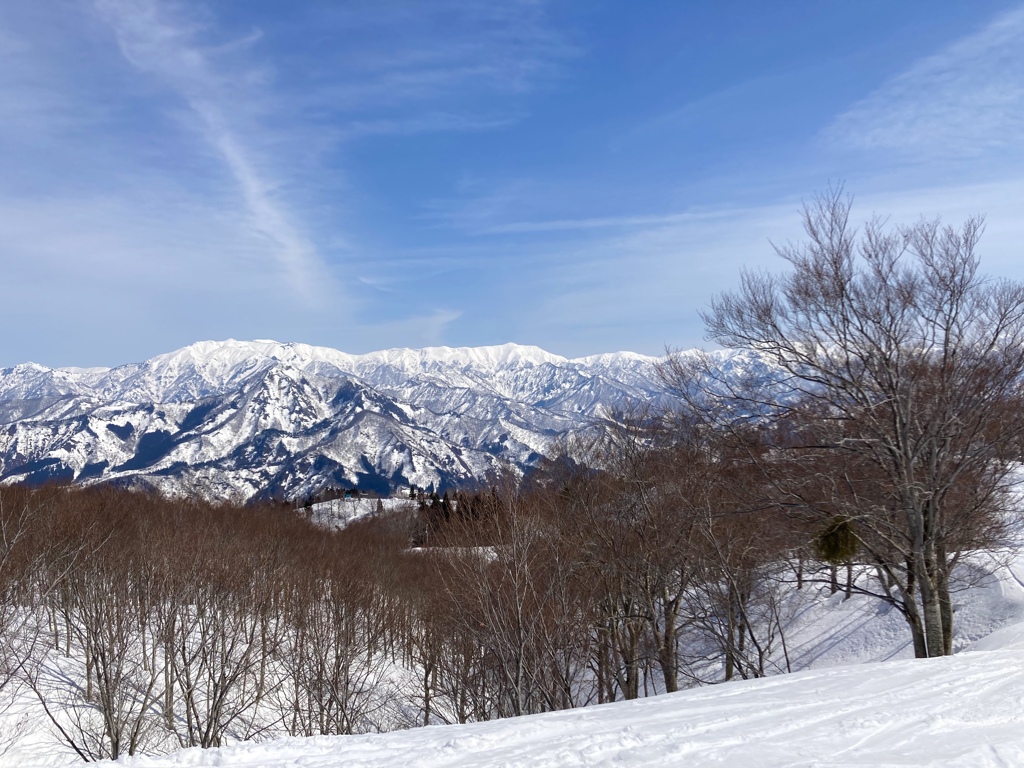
(965, 710)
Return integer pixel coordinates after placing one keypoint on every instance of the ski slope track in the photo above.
(964, 710)
(237, 420)
(855, 698)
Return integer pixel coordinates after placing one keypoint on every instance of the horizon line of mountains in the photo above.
(249, 420)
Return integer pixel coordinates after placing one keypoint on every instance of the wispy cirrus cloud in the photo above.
(600, 222)
(638, 282)
(405, 51)
(420, 330)
(962, 102)
(161, 43)
(431, 122)
(405, 68)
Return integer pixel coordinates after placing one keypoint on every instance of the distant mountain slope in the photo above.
(239, 419)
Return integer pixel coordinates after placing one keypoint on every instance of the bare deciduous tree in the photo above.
(903, 365)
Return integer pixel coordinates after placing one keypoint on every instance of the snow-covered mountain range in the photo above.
(244, 419)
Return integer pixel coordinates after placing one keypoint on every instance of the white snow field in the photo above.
(964, 710)
(859, 701)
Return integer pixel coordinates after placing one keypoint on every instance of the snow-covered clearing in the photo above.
(337, 513)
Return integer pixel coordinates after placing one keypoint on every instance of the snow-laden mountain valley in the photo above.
(237, 420)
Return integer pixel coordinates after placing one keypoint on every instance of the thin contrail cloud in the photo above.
(157, 43)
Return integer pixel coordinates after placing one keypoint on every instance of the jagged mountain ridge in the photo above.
(239, 419)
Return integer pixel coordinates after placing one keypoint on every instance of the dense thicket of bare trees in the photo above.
(145, 624)
(142, 623)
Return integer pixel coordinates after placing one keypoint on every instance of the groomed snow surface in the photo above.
(859, 701)
(964, 710)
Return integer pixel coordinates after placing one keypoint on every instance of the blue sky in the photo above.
(583, 176)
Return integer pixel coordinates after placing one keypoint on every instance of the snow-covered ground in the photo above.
(965, 710)
(859, 701)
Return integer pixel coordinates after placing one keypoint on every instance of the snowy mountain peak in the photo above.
(491, 357)
(222, 359)
(616, 359)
